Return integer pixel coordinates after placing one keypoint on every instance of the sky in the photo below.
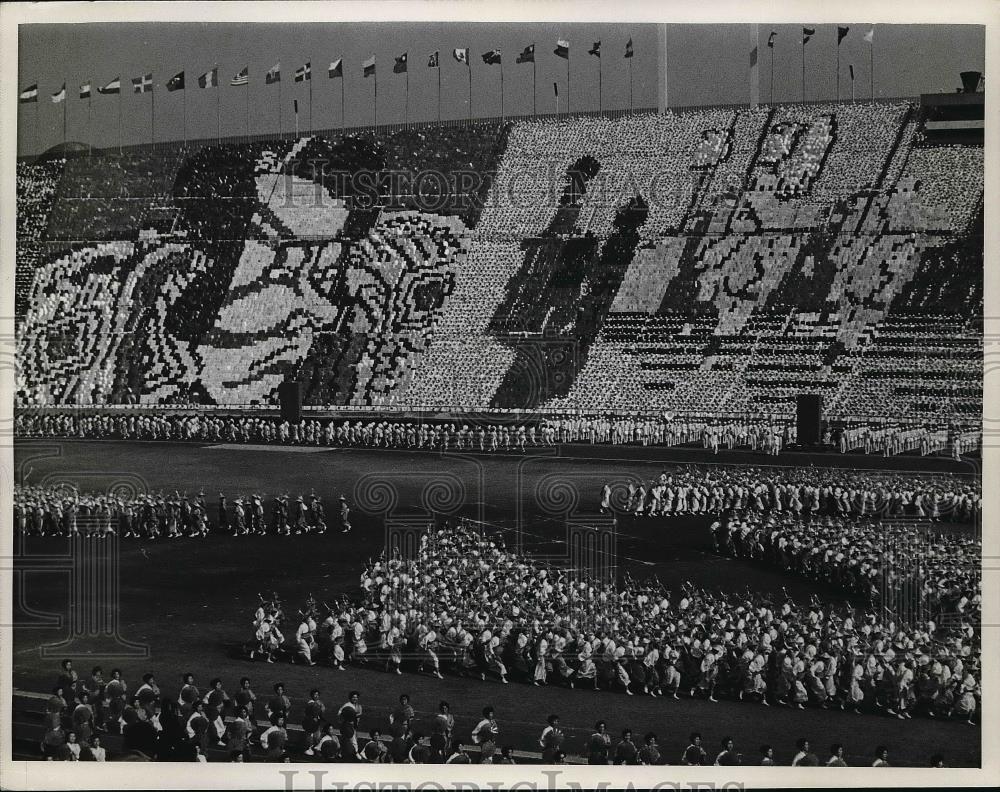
(706, 65)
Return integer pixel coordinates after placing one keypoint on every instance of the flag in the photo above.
(555, 87)
(841, 33)
(143, 84)
(753, 57)
(629, 52)
(295, 104)
(807, 33)
(850, 68)
(595, 50)
(304, 72)
(273, 74)
(29, 94)
(492, 57)
(462, 55)
(434, 61)
(243, 78)
(85, 91)
(399, 67)
(176, 83)
(770, 39)
(336, 69)
(527, 55)
(113, 87)
(369, 66)
(59, 95)
(209, 79)
(870, 36)
(562, 49)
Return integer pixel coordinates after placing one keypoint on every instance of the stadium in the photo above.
(663, 419)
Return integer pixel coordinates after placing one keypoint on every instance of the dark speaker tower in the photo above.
(808, 415)
(290, 396)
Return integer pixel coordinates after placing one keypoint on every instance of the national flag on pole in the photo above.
(143, 84)
(399, 67)
(850, 68)
(807, 33)
(527, 55)
(753, 57)
(870, 36)
(369, 66)
(243, 78)
(209, 79)
(336, 68)
(113, 87)
(595, 50)
(562, 49)
(629, 52)
(59, 95)
(273, 74)
(770, 39)
(555, 87)
(295, 104)
(841, 33)
(304, 72)
(434, 61)
(29, 94)
(176, 83)
(85, 91)
(461, 55)
(492, 57)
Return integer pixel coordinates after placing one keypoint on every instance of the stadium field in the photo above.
(188, 603)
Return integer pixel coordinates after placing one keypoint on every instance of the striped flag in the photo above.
(273, 74)
(209, 79)
(562, 49)
(770, 39)
(113, 87)
(527, 55)
(434, 61)
(59, 95)
(85, 91)
(304, 72)
(336, 68)
(243, 78)
(461, 55)
(176, 83)
(629, 52)
(143, 84)
(368, 66)
(29, 94)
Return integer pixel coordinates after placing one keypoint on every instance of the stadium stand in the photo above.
(715, 260)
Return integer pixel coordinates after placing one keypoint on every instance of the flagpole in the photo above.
(600, 85)
(501, 89)
(90, 131)
(838, 68)
(342, 122)
(406, 100)
(871, 66)
(184, 105)
(772, 74)
(65, 102)
(567, 82)
(152, 117)
(439, 88)
(468, 65)
(218, 103)
(534, 83)
(310, 100)
(375, 99)
(247, 86)
(279, 100)
(119, 117)
(803, 68)
(631, 106)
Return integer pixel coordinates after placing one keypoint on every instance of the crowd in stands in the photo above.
(764, 435)
(161, 721)
(36, 185)
(465, 604)
(798, 492)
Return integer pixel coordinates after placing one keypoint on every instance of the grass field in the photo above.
(187, 604)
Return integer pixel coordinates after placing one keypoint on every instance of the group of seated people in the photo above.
(210, 724)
